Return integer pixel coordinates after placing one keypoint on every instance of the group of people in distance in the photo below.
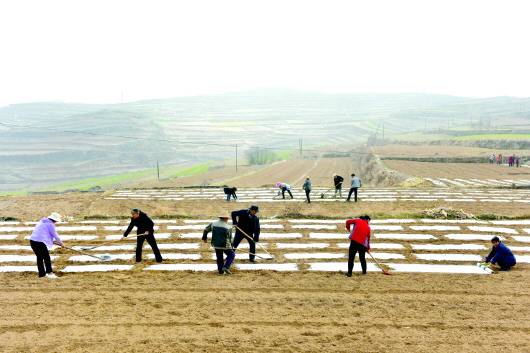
(246, 223)
(355, 184)
(512, 161)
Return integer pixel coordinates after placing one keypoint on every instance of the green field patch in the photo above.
(493, 137)
(168, 171)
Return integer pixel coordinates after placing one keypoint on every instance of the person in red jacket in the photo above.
(359, 229)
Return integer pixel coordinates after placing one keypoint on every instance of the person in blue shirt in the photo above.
(248, 222)
(500, 255)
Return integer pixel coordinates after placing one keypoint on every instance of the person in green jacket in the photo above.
(307, 188)
(222, 243)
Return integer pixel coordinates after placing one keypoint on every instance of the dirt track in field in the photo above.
(265, 312)
(458, 170)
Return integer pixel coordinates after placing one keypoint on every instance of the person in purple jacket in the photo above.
(500, 255)
(43, 237)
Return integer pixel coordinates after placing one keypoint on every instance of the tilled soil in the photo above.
(458, 170)
(265, 312)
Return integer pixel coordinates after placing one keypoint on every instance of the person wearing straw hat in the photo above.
(222, 243)
(247, 227)
(143, 225)
(42, 239)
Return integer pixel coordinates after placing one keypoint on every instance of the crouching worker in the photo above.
(145, 228)
(43, 237)
(359, 241)
(500, 255)
(222, 243)
(230, 192)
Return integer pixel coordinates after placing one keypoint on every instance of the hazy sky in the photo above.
(91, 51)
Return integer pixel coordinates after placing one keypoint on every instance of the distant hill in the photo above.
(177, 131)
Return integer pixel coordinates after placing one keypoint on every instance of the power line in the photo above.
(171, 140)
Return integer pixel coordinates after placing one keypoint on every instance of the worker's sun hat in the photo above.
(278, 184)
(224, 216)
(55, 217)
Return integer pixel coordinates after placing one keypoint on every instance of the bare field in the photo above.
(458, 170)
(265, 312)
(261, 311)
(293, 171)
(397, 150)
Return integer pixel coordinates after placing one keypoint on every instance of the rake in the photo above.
(110, 242)
(248, 252)
(102, 258)
(385, 271)
(250, 238)
(322, 195)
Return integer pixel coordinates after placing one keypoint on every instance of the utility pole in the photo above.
(157, 171)
(236, 158)
(300, 147)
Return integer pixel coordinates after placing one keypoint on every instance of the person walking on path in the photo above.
(359, 229)
(230, 192)
(247, 221)
(307, 188)
(354, 187)
(41, 241)
(337, 181)
(143, 225)
(500, 255)
(284, 187)
(222, 243)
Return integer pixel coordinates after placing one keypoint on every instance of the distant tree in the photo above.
(258, 156)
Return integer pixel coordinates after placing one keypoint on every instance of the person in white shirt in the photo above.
(355, 185)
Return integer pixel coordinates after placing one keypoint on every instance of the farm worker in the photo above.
(492, 158)
(284, 187)
(222, 243)
(359, 229)
(42, 239)
(337, 181)
(355, 185)
(143, 225)
(499, 159)
(247, 221)
(230, 192)
(500, 255)
(307, 188)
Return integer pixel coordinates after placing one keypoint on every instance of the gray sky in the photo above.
(91, 51)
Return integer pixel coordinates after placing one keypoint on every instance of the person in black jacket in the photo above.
(230, 192)
(248, 221)
(337, 181)
(143, 225)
